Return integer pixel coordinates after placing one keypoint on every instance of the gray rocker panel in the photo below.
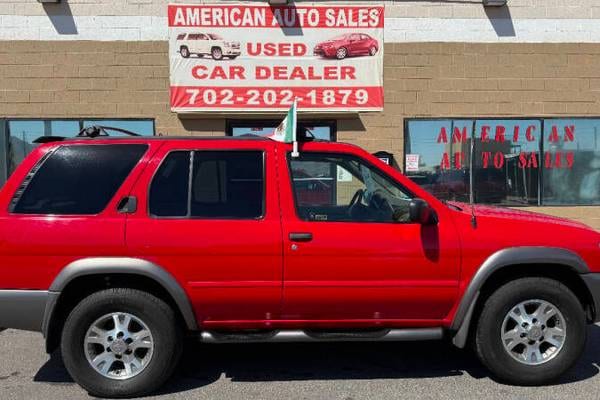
(22, 309)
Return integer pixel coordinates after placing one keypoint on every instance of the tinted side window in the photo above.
(79, 179)
(169, 189)
(224, 185)
(227, 184)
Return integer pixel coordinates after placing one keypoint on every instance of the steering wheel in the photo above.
(353, 207)
(357, 198)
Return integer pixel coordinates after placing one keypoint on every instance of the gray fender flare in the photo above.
(501, 259)
(118, 265)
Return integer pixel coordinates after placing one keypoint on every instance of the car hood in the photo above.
(516, 215)
(499, 228)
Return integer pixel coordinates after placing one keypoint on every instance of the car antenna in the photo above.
(471, 191)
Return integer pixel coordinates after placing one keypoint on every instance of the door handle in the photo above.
(301, 236)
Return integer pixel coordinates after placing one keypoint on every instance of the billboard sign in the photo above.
(244, 57)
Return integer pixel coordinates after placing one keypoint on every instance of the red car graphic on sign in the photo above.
(347, 45)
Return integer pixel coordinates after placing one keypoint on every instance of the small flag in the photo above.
(286, 131)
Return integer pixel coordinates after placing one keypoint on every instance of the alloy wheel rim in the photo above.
(341, 53)
(118, 345)
(373, 51)
(533, 332)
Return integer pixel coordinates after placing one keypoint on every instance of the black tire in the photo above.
(184, 51)
(372, 51)
(216, 53)
(160, 320)
(489, 345)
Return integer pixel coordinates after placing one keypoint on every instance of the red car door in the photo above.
(355, 45)
(216, 229)
(354, 263)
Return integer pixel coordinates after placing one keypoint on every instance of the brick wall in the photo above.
(130, 79)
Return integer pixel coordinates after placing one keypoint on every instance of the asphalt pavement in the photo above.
(328, 371)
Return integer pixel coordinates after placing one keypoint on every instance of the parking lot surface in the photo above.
(332, 371)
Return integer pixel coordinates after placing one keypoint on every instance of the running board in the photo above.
(287, 336)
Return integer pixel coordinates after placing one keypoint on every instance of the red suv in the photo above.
(115, 248)
(347, 45)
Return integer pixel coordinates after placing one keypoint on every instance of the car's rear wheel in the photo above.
(184, 51)
(216, 53)
(531, 331)
(341, 53)
(121, 343)
(372, 51)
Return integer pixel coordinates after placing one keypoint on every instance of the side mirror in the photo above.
(421, 213)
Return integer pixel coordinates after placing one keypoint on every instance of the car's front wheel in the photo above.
(217, 53)
(341, 53)
(121, 343)
(184, 51)
(531, 331)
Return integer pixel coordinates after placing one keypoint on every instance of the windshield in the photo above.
(214, 36)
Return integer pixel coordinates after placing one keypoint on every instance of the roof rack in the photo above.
(99, 131)
(90, 132)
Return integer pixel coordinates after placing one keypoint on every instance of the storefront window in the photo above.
(440, 151)
(571, 161)
(320, 130)
(16, 141)
(3, 154)
(506, 162)
(515, 161)
(24, 132)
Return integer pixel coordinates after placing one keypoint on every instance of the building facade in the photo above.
(499, 105)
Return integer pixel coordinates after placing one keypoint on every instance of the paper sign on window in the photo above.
(412, 162)
(343, 175)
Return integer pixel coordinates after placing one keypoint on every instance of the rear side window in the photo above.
(80, 179)
(169, 189)
(223, 185)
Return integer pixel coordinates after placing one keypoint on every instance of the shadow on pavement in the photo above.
(202, 365)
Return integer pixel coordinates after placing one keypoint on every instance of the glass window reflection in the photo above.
(572, 161)
(548, 161)
(506, 163)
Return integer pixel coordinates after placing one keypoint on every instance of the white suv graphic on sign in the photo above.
(203, 44)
